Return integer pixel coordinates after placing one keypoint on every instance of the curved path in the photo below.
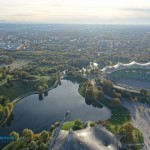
(34, 92)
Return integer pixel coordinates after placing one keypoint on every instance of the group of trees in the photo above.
(6, 108)
(129, 133)
(42, 88)
(34, 141)
(74, 72)
(4, 71)
(89, 91)
(143, 96)
(108, 87)
(6, 60)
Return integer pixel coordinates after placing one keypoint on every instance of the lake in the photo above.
(38, 115)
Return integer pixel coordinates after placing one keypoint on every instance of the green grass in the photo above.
(22, 87)
(3, 80)
(120, 114)
(15, 145)
(68, 125)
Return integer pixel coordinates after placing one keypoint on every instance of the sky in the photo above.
(76, 11)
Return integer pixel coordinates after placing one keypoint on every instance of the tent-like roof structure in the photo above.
(119, 66)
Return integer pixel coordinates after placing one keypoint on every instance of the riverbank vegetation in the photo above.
(6, 108)
(16, 87)
(20, 87)
(29, 140)
(119, 123)
(120, 115)
(40, 141)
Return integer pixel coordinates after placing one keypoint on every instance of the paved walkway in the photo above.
(34, 92)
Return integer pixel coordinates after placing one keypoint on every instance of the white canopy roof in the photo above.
(121, 65)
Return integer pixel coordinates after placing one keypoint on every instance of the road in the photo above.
(126, 89)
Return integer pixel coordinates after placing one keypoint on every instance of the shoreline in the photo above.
(32, 93)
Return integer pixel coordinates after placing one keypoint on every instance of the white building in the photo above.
(120, 66)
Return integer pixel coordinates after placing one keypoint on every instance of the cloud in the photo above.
(137, 9)
(22, 15)
(78, 11)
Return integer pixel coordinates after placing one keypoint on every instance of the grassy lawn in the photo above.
(15, 145)
(3, 80)
(21, 87)
(120, 114)
(68, 125)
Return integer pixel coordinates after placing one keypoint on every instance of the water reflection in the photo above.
(35, 110)
(9, 120)
(46, 94)
(40, 97)
(93, 103)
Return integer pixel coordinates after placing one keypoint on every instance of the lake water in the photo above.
(37, 114)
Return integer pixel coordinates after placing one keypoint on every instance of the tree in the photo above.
(42, 146)
(33, 145)
(57, 124)
(1, 107)
(143, 92)
(52, 127)
(3, 100)
(10, 106)
(116, 101)
(4, 75)
(15, 134)
(98, 94)
(44, 136)
(78, 122)
(108, 86)
(6, 112)
(28, 135)
(40, 89)
(45, 86)
(117, 95)
(24, 74)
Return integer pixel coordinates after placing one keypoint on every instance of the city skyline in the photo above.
(79, 11)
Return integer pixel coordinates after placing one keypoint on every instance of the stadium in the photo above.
(132, 75)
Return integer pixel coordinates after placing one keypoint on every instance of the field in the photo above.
(21, 87)
(120, 114)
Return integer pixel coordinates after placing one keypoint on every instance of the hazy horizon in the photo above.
(75, 12)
